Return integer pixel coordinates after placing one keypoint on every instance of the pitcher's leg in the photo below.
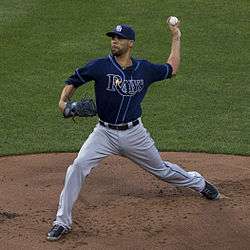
(73, 182)
(95, 148)
(167, 171)
(146, 155)
(179, 177)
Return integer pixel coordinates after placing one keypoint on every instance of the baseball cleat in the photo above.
(210, 191)
(56, 232)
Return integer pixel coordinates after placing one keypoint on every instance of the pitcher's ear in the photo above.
(131, 43)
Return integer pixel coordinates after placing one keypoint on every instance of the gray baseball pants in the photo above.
(134, 143)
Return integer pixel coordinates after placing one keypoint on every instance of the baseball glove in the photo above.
(84, 108)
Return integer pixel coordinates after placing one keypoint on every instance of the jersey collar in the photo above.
(132, 67)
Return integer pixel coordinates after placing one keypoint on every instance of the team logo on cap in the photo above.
(118, 28)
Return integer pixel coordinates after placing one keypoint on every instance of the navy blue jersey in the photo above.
(119, 92)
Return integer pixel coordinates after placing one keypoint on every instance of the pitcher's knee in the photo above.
(73, 170)
(82, 165)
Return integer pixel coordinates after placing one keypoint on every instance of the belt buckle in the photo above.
(130, 125)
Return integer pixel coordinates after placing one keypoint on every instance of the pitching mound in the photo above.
(123, 207)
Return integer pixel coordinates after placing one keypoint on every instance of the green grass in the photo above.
(205, 108)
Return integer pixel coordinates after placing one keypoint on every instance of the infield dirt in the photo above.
(123, 207)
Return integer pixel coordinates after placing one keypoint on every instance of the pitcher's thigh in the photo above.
(95, 148)
(148, 158)
(140, 148)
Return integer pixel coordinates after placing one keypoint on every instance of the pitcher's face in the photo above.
(120, 46)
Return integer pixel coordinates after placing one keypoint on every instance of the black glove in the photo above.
(84, 108)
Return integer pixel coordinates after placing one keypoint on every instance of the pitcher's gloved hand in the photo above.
(84, 108)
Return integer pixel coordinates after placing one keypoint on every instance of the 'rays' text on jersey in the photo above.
(123, 86)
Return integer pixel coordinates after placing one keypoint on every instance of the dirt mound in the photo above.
(123, 207)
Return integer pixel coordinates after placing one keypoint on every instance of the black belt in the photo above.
(120, 127)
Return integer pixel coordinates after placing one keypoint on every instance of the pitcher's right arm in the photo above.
(174, 58)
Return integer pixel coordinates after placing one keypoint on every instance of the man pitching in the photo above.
(121, 83)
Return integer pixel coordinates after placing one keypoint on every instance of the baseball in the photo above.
(173, 20)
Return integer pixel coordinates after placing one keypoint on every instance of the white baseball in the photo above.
(173, 20)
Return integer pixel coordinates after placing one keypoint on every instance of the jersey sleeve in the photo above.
(159, 72)
(82, 75)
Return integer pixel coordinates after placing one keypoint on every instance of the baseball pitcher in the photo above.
(121, 83)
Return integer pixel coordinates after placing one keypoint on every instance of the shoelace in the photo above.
(208, 191)
(55, 227)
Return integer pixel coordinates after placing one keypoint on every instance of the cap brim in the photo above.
(113, 33)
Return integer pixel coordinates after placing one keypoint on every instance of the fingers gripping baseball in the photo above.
(174, 24)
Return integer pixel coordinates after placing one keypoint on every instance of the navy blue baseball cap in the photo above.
(124, 31)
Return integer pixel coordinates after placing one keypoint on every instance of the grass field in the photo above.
(205, 108)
